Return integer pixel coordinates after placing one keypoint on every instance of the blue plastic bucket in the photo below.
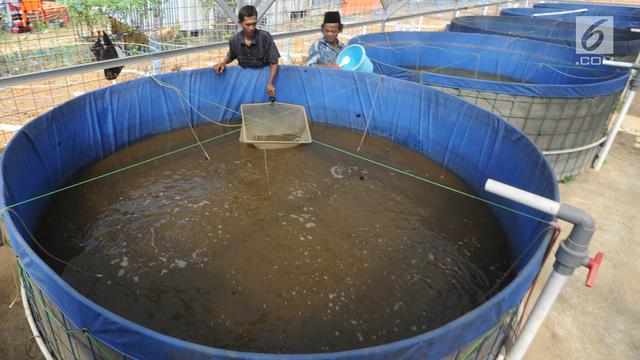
(354, 58)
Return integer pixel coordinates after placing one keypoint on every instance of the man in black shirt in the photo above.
(252, 47)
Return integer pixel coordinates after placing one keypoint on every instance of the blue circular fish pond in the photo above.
(620, 20)
(626, 44)
(467, 140)
(608, 8)
(562, 106)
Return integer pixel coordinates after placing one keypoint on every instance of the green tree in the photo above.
(92, 12)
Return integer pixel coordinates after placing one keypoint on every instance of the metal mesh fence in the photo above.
(64, 340)
(165, 27)
(568, 130)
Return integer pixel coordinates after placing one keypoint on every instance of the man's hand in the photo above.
(219, 67)
(271, 90)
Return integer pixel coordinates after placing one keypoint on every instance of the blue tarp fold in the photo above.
(550, 69)
(609, 8)
(620, 20)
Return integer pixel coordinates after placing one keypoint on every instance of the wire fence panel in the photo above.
(66, 341)
(190, 26)
(568, 130)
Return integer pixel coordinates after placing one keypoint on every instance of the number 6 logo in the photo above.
(594, 35)
(591, 32)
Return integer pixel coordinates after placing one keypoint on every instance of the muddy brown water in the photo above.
(332, 253)
(469, 74)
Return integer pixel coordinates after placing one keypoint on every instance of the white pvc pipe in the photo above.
(621, 64)
(560, 12)
(635, 30)
(537, 202)
(432, 26)
(134, 71)
(547, 298)
(602, 156)
(32, 324)
(581, 148)
(10, 127)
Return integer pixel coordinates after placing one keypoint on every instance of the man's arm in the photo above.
(271, 90)
(231, 55)
(333, 66)
(273, 56)
(313, 57)
(219, 67)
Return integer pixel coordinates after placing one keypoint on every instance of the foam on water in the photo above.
(339, 254)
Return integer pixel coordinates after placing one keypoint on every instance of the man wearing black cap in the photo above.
(252, 47)
(324, 51)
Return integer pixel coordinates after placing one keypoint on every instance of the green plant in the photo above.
(92, 12)
(567, 179)
(40, 27)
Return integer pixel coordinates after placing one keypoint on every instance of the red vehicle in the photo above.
(28, 11)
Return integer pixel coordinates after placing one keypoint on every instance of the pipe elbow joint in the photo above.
(574, 250)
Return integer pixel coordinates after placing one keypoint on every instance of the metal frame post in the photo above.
(388, 13)
(634, 85)
(456, 11)
(385, 4)
(229, 12)
(263, 10)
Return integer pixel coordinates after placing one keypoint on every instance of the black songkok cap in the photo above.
(331, 17)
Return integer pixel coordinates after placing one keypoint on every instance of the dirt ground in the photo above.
(16, 341)
(602, 322)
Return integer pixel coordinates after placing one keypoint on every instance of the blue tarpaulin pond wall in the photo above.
(626, 44)
(563, 107)
(473, 143)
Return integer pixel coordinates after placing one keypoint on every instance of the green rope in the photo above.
(430, 181)
(315, 141)
(116, 171)
(102, 348)
(474, 347)
(199, 143)
(23, 274)
(477, 344)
